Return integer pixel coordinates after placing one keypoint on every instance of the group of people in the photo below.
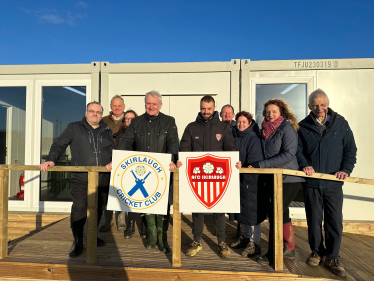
(322, 142)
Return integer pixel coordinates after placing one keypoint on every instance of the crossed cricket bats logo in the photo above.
(139, 184)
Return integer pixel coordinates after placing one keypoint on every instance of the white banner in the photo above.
(139, 182)
(209, 182)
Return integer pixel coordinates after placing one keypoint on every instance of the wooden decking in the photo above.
(44, 255)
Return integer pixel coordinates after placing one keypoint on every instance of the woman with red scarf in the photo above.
(279, 144)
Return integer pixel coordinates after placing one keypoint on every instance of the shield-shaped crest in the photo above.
(208, 176)
(218, 136)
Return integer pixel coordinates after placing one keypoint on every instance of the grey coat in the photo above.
(280, 151)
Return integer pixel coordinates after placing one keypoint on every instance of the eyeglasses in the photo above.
(93, 111)
(128, 119)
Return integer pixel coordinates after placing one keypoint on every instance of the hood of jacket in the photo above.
(214, 119)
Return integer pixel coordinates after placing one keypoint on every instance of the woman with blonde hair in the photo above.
(279, 143)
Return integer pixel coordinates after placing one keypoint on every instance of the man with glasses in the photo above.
(91, 143)
(115, 119)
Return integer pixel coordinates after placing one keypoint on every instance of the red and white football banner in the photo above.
(209, 182)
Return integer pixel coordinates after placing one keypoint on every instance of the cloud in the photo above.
(54, 17)
(81, 4)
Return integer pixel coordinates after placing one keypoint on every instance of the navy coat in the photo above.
(334, 151)
(253, 197)
(280, 151)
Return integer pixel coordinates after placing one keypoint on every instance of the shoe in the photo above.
(130, 229)
(121, 221)
(315, 260)
(162, 231)
(100, 242)
(193, 249)
(224, 251)
(291, 255)
(265, 260)
(336, 267)
(251, 250)
(77, 246)
(242, 242)
(108, 221)
(151, 224)
(143, 229)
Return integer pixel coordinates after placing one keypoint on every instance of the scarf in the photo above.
(269, 127)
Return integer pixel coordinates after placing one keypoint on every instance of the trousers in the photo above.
(79, 208)
(219, 222)
(324, 204)
(253, 232)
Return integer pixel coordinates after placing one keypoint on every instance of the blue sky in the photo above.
(57, 32)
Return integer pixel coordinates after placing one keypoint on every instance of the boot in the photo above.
(289, 241)
(121, 221)
(162, 231)
(108, 221)
(130, 229)
(151, 223)
(77, 247)
(143, 229)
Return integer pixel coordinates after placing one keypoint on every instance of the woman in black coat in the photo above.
(253, 198)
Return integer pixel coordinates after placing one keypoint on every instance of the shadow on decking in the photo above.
(50, 247)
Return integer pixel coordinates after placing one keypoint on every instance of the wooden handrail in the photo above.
(93, 177)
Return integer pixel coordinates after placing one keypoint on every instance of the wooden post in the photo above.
(93, 182)
(4, 179)
(278, 221)
(177, 232)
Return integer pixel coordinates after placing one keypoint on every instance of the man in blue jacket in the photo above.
(326, 145)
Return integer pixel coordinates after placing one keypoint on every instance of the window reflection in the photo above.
(12, 135)
(61, 106)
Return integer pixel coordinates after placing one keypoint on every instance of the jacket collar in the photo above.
(311, 123)
(102, 124)
(252, 128)
(214, 119)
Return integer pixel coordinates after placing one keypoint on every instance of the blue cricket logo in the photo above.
(148, 190)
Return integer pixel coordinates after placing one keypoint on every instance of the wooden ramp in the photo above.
(44, 256)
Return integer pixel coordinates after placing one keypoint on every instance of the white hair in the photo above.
(317, 93)
(153, 94)
(117, 97)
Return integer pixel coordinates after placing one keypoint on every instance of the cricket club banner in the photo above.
(139, 182)
(209, 182)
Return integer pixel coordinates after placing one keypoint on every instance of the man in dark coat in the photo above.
(202, 135)
(91, 143)
(153, 132)
(326, 145)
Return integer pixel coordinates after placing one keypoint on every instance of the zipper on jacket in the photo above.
(97, 159)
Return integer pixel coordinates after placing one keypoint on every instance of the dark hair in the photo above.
(227, 105)
(207, 98)
(284, 108)
(246, 114)
(95, 102)
(128, 111)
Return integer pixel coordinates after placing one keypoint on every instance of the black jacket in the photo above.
(151, 134)
(334, 151)
(213, 135)
(254, 200)
(82, 145)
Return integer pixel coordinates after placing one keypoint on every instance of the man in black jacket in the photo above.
(208, 133)
(153, 131)
(91, 144)
(326, 145)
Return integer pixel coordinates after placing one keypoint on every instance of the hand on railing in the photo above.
(44, 166)
(172, 166)
(309, 170)
(109, 167)
(341, 175)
